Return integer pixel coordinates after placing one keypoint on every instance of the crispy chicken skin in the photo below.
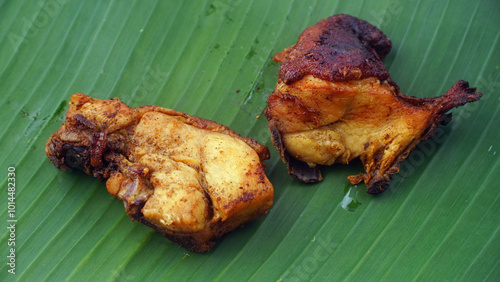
(335, 101)
(189, 178)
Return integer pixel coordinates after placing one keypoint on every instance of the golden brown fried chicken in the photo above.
(189, 178)
(335, 101)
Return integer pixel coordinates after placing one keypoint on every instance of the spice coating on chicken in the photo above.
(335, 101)
(189, 178)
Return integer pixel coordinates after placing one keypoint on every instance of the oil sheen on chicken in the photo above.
(335, 101)
(189, 178)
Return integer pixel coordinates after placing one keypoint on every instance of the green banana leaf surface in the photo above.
(439, 220)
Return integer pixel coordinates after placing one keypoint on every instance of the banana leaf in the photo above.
(440, 219)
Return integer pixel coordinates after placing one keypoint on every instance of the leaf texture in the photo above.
(440, 219)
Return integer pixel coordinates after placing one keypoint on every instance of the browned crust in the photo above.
(338, 48)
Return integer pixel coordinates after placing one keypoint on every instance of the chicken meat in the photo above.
(189, 178)
(335, 101)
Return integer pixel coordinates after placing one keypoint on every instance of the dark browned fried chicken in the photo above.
(335, 101)
(189, 178)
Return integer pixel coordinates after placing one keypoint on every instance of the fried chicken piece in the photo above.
(189, 178)
(335, 101)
